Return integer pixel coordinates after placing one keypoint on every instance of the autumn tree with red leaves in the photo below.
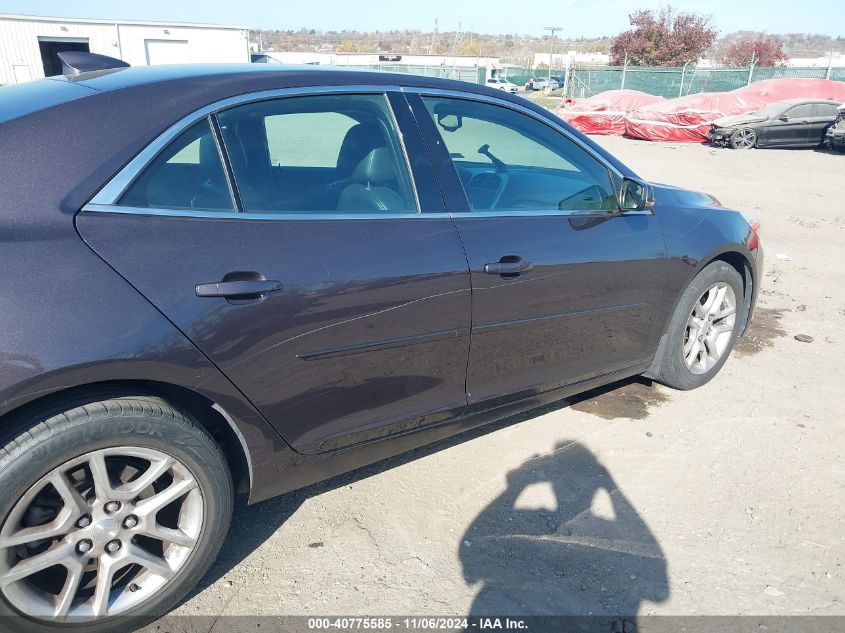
(764, 51)
(663, 38)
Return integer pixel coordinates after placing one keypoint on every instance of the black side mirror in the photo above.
(636, 195)
(784, 118)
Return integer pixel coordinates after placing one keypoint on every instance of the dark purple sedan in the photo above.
(245, 279)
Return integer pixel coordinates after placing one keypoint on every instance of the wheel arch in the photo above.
(210, 415)
(741, 262)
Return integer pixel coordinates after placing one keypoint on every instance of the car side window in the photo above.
(508, 161)
(187, 174)
(824, 109)
(318, 154)
(803, 111)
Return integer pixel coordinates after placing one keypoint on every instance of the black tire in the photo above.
(673, 370)
(740, 139)
(46, 439)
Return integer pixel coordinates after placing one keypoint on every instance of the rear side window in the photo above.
(298, 139)
(187, 174)
(318, 154)
(824, 109)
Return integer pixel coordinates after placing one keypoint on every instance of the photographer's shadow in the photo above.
(562, 540)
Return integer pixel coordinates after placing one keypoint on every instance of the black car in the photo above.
(250, 278)
(835, 135)
(787, 123)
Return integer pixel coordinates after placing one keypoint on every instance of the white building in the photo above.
(833, 60)
(462, 67)
(334, 58)
(29, 44)
(561, 61)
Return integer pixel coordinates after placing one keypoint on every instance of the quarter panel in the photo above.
(68, 320)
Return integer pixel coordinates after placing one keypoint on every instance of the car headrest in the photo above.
(358, 142)
(376, 168)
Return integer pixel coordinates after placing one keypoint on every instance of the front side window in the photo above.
(508, 161)
(187, 174)
(317, 154)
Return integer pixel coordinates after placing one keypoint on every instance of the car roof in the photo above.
(796, 101)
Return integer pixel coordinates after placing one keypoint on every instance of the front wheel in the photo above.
(703, 329)
(112, 507)
(744, 139)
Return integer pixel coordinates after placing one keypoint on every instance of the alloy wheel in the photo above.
(746, 139)
(100, 534)
(709, 328)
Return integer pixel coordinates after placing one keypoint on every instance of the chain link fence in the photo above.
(673, 82)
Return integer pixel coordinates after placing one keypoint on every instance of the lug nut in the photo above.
(112, 507)
(113, 546)
(84, 546)
(130, 522)
(84, 521)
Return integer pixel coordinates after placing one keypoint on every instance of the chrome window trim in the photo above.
(246, 215)
(547, 213)
(111, 192)
(234, 215)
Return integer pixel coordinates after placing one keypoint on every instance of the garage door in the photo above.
(167, 51)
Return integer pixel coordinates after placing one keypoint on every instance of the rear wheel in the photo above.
(703, 329)
(745, 138)
(114, 508)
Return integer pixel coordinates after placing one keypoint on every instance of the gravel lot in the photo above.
(633, 499)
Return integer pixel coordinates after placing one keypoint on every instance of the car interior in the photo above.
(187, 174)
(508, 161)
(359, 166)
(340, 154)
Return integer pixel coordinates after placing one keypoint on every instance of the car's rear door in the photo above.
(565, 287)
(824, 114)
(340, 305)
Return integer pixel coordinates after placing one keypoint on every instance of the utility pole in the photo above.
(551, 51)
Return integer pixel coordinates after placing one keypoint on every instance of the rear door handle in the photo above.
(244, 288)
(509, 268)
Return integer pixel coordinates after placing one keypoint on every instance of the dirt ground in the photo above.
(632, 499)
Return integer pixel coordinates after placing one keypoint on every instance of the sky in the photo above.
(579, 18)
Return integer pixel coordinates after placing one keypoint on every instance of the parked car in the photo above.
(835, 135)
(787, 123)
(543, 83)
(502, 84)
(250, 278)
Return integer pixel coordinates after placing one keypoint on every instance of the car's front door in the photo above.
(792, 127)
(565, 287)
(331, 291)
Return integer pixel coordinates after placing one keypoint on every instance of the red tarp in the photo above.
(604, 113)
(688, 118)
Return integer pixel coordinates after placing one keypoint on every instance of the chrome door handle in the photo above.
(244, 288)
